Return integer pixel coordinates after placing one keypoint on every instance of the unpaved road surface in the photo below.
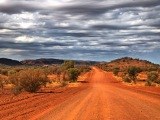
(101, 98)
(106, 99)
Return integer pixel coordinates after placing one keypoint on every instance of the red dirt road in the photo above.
(102, 98)
(106, 99)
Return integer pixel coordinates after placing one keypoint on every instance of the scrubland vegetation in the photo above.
(33, 78)
(130, 70)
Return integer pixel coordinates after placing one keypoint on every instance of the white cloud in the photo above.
(5, 31)
(62, 24)
(3, 1)
(11, 51)
(24, 39)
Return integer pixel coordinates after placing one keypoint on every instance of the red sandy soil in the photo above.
(101, 98)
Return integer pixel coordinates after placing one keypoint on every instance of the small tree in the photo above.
(73, 74)
(133, 72)
(153, 77)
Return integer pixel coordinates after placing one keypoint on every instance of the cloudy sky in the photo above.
(99, 30)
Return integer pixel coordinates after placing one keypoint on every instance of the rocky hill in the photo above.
(125, 62)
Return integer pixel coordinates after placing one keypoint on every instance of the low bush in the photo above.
(30, 80)
(153, 77)
(16, 89)
(4, 72)
(73, 74)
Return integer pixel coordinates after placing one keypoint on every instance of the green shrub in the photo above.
(30, 80)
(132, 72)
(14, 79)
(73, 74)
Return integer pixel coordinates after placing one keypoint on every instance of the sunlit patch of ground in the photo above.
(83, 77)
(142, 76)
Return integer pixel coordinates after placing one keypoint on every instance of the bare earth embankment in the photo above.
(102, 98)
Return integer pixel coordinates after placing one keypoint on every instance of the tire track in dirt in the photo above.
(36, 104)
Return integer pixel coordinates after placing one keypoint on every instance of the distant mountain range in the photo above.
(10, 62)
(121, 63)
(41, 62)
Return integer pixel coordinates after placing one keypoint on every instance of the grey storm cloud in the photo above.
(96, 8)
(12, 8)
(81, 29)
(31, 46)
(81, 7)
(110, 27)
